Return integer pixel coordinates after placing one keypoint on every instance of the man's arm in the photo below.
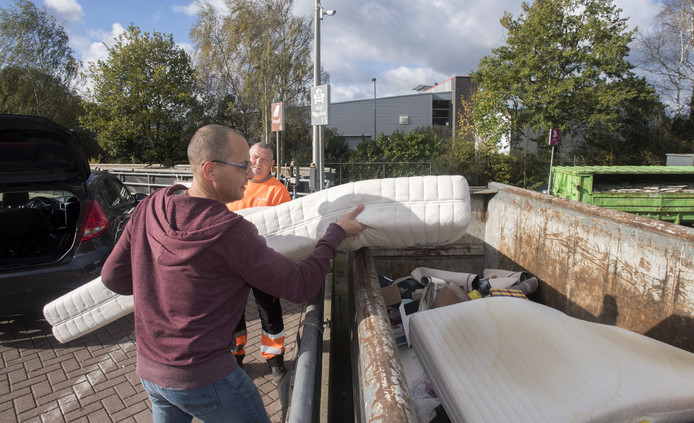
(264, 268)
(117, 271)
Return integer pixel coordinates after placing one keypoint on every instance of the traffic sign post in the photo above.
(320, 108)
(320, 105)
(277, 120)
(277, 117)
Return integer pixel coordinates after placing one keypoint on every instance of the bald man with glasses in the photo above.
(190, 264)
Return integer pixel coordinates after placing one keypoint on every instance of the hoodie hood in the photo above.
(184, 226)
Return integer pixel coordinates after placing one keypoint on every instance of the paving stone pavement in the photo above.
(92, 379)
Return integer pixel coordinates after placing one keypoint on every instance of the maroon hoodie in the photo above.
(189, 262)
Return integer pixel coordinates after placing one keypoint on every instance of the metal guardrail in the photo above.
(305, 401)
(145, 180)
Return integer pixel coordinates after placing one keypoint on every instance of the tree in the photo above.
(400, 154)
(249, 56)
(667, 52)
(142, 99)
(634, 137)
(37, 68)
(33, 92)
(563, 66)
(296, 137)
(481, 163)
(336, 148)
(32, 39)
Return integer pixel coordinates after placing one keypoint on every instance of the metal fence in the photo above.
(148, 178)
(352, 172)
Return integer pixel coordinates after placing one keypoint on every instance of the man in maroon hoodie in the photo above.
(190, 263)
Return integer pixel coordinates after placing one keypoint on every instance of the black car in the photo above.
(58, 220)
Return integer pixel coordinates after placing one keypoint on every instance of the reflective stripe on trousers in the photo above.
(272, 345)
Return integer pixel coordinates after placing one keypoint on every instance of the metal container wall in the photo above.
(592, 263)
(597, 264)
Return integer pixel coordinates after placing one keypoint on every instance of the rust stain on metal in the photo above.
(599, 264)
(386, 397)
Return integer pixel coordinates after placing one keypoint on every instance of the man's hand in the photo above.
(349, 222)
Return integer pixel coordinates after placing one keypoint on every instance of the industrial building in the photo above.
(432, 106)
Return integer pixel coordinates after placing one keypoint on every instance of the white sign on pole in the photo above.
(320, 104)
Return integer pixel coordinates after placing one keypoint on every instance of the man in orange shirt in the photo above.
(263, 190)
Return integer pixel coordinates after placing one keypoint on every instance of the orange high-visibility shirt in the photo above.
(260, 194)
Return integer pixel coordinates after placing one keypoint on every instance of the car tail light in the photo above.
(94, 221)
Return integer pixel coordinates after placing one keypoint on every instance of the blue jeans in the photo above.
(231, 399)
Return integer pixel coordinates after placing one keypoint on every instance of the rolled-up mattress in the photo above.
(398, 212)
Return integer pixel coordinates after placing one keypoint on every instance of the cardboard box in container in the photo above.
(391, 295)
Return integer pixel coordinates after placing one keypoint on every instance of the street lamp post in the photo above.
(265, 82)
(374, 81)
(265, 111)
(317, 132)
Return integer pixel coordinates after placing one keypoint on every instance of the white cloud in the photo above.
(93, 47)
(404, 78)
(69, 11)
(187, 47)
(191, 9)
(640, 13)
(406, 43)
(403, 43)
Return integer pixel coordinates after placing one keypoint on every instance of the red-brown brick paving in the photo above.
(92, 379)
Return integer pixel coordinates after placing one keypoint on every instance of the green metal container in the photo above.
(660, 192)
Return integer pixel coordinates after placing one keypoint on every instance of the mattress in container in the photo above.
(504, 359)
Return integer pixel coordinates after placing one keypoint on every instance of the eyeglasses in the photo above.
(264, 160)
(245, 166)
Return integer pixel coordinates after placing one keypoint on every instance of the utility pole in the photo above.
(317, 155)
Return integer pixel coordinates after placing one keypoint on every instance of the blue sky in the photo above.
(403, 43)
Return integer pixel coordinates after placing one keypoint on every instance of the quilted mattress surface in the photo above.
(85, 309)
(510, 359)
(399, 212)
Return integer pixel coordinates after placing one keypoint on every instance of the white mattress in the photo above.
(504, 359)
(399, 212)
(86, 309)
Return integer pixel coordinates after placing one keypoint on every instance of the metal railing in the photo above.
(358, 171)
(305, 398)
(148, 178)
